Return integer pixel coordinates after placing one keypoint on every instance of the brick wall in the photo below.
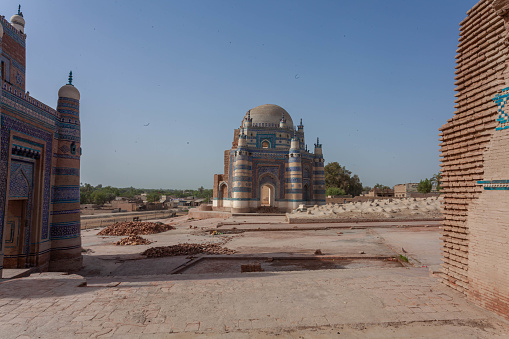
(479, 75)
(476, 227)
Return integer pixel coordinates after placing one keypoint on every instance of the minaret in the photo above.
(242, 177)
(282, 122)
(293, 189)
(65, 228)
(248, 121)
(318, 175)
(300, 128)
(17, 21)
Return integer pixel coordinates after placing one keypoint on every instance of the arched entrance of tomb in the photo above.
(222, 193)
(305, 193)
(16, 240)
(268, 190)
(267, 195)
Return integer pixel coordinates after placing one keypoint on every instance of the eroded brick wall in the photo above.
(475, 164)
(479, 72)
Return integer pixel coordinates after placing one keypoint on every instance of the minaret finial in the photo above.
(249, 114)
(317, 140)
(301, 121)
(70, 79)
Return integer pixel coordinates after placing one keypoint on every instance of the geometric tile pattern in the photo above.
(21, 180)
(11, 124)
(65, 194)
(503, 117)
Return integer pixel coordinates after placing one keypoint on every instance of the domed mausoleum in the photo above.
(269, 165)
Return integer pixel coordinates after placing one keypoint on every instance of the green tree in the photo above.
(338, 176)
(381, 187)
(100, 197)
(153, 196)
(436, 181)
(334, 191)
(424, 186)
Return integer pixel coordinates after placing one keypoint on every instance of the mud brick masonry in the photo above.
(269, 165)
(39, 166)
(475, 161)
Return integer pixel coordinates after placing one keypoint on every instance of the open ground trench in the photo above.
(268, 245)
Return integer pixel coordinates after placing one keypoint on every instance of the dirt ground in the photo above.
(371, 280)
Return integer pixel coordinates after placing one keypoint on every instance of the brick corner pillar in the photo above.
(65, 227)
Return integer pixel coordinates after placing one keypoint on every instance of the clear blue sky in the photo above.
(373, 79)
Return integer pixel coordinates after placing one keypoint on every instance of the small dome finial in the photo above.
(317, 140)
(301, 121)
(20, 13)
(70, 79)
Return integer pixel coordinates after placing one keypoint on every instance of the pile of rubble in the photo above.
(135, 228)
(186, 249)
(133, 240)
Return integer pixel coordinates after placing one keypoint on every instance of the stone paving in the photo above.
(404, 302)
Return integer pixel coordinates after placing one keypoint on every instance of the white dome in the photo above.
(270, 115)
(69, 91)
(18, 22)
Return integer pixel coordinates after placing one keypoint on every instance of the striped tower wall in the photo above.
(475, 165)
(293, 181)
(318, 176)
(242, 181)
(65, 196)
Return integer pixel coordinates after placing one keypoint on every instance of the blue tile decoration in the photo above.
(13, 32)
(503, 117)
(494, 185)
(66, 171)
(65, 212)
(65, 194)
(65, 230)
(21, 180)
(11, 124)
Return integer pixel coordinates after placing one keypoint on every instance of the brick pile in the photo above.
(133, 240)
(135, 228)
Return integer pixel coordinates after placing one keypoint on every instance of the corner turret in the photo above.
(17, 21)
(300, 127)
(248, 121)
(318, 148)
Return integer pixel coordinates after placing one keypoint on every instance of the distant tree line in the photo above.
(426, 185)
(100, 195)
(340, 181)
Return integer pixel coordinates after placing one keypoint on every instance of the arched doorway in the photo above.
(267, 195)
(223, 193)
(305, 193)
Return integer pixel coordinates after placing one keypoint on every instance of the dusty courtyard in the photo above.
(360, 286)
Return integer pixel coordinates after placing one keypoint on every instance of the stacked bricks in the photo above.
(293, 184)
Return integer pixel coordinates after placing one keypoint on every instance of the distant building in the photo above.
(39, 165)
(405, 190)
(269, 165)
(410, 191)
(380, 193)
